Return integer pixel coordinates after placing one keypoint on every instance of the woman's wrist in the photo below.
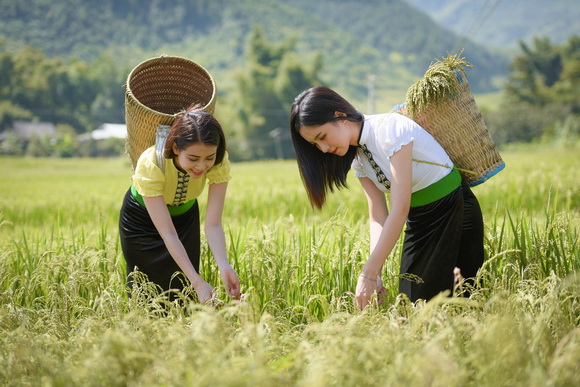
(370, 269)
(196, 280)
(368, 278)
(223, 265)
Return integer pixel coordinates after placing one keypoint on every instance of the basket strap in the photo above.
(160, 138)
(446, 166)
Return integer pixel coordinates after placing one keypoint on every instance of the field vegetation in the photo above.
(65, 318)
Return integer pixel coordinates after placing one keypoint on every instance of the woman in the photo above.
(159, 223)
(391, 153)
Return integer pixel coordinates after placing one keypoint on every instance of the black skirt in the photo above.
(144, 249)
(440, 236)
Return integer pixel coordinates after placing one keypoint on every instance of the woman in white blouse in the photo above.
(391, 153)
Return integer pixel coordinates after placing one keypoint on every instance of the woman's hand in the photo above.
(231, 282)
(381, 291)
(203, 290)
(216, 239)
(365, 288)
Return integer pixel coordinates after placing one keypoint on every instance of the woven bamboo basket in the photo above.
(157, 92)
(454, 120)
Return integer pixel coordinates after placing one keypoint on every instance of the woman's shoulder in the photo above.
(382, 122)
(147, 161)
(396, 120)
(148, 177)
(147, 154)
(220, 173)
(385, 118)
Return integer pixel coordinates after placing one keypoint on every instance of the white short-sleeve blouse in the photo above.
(385, 134)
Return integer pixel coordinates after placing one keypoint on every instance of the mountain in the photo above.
(504, 23)
(387, 38)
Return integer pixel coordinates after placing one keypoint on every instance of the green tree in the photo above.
(11, 146)
(65, 146)
(10, 112)
(534, 72)
(73, 92)
(272, 76)
(107, 104)
(542, 90)
(40, 146)
(566, 89)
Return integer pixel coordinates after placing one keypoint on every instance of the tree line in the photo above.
(540, 96)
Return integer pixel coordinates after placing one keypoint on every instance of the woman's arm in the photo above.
(162, 220)
(378, 210)
(401, 182)
(216, 239)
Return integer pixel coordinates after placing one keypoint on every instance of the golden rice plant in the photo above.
(437, 85)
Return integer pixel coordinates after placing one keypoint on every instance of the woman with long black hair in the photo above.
(391, 153)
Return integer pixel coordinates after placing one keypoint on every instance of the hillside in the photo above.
(504, 23)
(388, 38)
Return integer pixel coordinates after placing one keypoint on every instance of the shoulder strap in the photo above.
(446, 166)
(160, 138)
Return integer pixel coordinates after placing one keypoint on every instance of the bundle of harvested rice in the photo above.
(442, 103)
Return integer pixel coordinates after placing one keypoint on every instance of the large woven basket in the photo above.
(157, 92)
(456, 123)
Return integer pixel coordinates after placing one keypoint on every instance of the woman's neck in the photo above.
(356, 129)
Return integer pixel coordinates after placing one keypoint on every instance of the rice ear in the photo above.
(438, 84)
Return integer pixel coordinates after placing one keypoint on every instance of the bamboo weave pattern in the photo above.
(457, 124)
(157, 92)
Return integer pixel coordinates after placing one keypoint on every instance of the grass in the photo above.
(489, 102)
(65, 318)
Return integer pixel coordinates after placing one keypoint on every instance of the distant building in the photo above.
(25, 130)
(105, 131)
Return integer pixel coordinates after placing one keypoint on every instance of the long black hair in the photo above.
(321, 172)
(196, 126)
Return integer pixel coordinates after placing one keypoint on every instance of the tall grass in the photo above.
(65, 318)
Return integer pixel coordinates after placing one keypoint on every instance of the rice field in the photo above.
(65, 318)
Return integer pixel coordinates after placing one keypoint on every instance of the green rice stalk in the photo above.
(437, 85)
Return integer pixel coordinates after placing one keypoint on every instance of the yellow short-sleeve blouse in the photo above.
(150, 181)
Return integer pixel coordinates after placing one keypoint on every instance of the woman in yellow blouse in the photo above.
(159, 222)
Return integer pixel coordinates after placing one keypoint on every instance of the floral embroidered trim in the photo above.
(181, 191)
(378, 171)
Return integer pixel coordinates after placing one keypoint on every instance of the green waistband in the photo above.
(436, 190)
(173, 210)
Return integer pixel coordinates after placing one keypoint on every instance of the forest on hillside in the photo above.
(67, 64)
(503, 23)
(387, 37)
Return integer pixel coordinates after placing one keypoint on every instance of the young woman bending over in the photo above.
(159, 222)
(391, 153)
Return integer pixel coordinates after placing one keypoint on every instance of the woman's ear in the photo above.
(174, 148)
(339, 114)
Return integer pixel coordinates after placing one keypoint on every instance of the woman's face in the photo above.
(333, 137)
(195, 159)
